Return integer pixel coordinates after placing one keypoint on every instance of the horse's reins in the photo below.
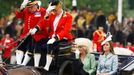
(3, 70)
(22, 40)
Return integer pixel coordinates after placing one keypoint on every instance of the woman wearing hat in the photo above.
(108, 61)
(87, 63)
(32, 14)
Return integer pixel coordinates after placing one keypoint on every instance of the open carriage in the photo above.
(64, 64)
(61, 65)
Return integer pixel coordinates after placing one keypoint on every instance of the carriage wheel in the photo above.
(66, 68)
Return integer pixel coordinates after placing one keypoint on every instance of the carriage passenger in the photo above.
(108, 61)
(87, 63)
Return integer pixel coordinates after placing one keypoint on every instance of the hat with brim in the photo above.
(32, 3)
(108, 38)
(54, 2)
(84, 42)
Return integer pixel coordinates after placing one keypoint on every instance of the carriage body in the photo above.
(125, 64)
(63, 64)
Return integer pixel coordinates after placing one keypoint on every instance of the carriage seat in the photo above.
(64, 48)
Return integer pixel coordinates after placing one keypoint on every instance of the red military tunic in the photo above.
(63, 27)
(98, 37)
(31, 20)
(6, 42)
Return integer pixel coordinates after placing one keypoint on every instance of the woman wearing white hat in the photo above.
(108, 61)
(82, 50)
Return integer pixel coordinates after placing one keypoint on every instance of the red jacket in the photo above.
(8, 46)
(131, 48)
(98, 37)
(117, 44)
(31, 20)
(63, 27)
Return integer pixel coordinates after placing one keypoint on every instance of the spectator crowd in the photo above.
(91, 24)
(85, 23)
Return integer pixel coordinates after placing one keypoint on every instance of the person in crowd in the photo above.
(101, 19)
(118, 44)
(81, 21)
(74, 13)
(110, 22)
(108, 61)
(6, 45)
(119, 37)
(98, 37)
(87, 63)
(130, 39)
(32, 13)
(130, 46)
(60, 23)
(90, 19)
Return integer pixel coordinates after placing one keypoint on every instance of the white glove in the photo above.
(51, 41)
(24, 3)
(50, 8)
(77, 53)
(33, 31)
(95, 50)
(39, 3)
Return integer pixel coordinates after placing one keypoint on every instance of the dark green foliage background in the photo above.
(106, 5)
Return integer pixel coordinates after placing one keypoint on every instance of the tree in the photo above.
(105, 5)
(6, 5)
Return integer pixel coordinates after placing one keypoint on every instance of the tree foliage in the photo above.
(7, 5)
(105, 5)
